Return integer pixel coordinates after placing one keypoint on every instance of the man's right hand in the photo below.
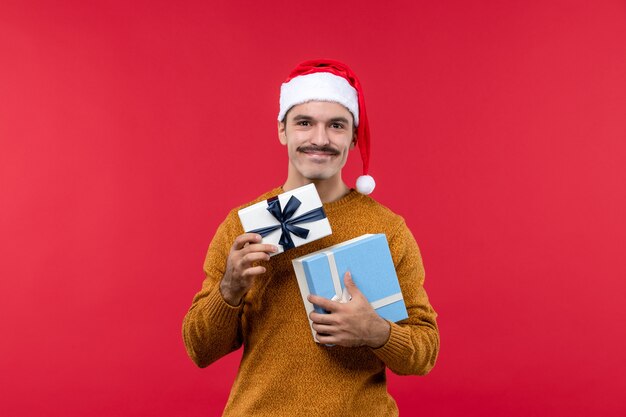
(240, 267)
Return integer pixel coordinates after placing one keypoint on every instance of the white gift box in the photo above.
(288, 220)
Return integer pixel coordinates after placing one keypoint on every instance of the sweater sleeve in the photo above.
(413, 343)
(212, 327)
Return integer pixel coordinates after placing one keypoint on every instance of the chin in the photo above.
(316, 172)
(317, 176)
(313, 174)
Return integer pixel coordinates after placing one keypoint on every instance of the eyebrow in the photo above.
(300, 117)
(340, 119)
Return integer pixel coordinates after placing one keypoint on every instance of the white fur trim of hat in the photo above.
(319, 86)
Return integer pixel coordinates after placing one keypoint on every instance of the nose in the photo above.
(320, 135)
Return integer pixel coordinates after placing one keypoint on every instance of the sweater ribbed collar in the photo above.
(351, 196)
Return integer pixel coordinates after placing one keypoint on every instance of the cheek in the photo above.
(347, 146)
(296, 137)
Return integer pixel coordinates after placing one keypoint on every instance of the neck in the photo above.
(330, 190)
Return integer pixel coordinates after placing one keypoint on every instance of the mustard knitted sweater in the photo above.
(283, 371)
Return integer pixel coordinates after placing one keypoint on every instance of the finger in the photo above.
(322, 302)
(324, 329)
(345, 296)
(261, 247)
(320, 318)
(241, 240)
(326, 339)
(254, 271)
(350, 285)
(250, 258)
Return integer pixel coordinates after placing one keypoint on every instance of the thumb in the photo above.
(350, 285)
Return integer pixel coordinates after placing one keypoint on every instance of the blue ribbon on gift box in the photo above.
(288, 222)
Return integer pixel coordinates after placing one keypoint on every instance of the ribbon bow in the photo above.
(287, 223)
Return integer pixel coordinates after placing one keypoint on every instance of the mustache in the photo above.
(322, 149)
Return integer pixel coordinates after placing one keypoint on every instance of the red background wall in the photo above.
(129, 129)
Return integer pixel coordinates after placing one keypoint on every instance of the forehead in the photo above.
(322, 110)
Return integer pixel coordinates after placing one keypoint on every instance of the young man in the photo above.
(248, 299)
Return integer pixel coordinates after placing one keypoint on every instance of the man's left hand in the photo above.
(350, 324)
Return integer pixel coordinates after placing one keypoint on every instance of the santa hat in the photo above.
(328, 80)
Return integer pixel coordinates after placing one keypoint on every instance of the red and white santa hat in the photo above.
(328, 80)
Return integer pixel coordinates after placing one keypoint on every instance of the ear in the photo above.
(282, 135)
(353, 143)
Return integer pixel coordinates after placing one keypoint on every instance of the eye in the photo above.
(337, 125)
(303, 123)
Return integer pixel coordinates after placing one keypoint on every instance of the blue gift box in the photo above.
(368, 259)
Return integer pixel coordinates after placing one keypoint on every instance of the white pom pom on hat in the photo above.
(329, 80)
(365, 184)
